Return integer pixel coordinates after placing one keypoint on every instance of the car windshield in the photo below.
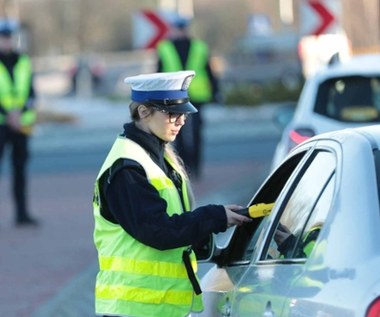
(350, 99)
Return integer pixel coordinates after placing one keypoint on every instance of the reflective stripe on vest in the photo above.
(15, 93)
(134, 279)
(200, 87)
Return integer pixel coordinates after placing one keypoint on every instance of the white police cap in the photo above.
(167, 91)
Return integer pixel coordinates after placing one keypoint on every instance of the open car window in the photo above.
(246, 238)
(304, 210)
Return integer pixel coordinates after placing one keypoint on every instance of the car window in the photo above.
(314, 225)
(305, 209)
(249, 237)
(350, 99)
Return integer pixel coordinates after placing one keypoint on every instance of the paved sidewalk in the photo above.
(50, 271)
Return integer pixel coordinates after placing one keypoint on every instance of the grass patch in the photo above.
(54, 116)
(255, 94)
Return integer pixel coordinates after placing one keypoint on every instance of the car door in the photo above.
(234, 255)
(302, 204)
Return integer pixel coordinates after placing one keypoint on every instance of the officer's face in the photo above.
(165, 126)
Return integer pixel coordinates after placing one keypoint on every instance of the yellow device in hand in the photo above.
(256, 210)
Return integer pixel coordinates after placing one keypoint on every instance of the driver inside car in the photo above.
(286, 241)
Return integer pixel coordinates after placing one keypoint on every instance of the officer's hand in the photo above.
(234, 218)
(282, 233)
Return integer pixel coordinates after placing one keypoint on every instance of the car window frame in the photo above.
(331, 180)
(286, 196)
(228, 257)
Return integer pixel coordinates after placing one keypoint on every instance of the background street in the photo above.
(50, 270)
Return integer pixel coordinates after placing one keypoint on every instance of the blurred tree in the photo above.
(75, 26)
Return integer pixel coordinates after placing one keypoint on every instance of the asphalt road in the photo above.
(88, 159)
(230, 134)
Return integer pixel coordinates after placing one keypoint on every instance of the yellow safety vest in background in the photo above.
(14, 93)
(135, 279)
(200, 89)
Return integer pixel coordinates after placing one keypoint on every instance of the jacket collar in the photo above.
(152, 144)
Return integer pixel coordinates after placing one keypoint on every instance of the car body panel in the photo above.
(340, 276)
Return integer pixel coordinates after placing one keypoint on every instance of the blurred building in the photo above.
(57, 30)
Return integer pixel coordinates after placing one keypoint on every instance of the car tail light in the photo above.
(297, 136)
(374, 309)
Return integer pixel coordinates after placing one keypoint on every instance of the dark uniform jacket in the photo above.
(131, 201)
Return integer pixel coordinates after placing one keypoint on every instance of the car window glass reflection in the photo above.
(307, 196)
(350, 99)
(315, 223)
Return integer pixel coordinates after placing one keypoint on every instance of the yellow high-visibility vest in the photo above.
(14, 93)
(200, 89)
(135, 279)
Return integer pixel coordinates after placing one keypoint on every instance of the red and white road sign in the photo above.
(149, 27)
(319, 16)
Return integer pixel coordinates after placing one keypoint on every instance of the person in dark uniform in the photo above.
(145, 224)
(17, 116)
(183, 52)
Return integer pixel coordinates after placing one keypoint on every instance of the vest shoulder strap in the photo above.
(119, 165)
(106, 179)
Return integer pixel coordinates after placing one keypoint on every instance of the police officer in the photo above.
(17, 116)
(144, 226)
(182, 52)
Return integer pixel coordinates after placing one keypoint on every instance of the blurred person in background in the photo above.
(17, 116)
(86, 72)
(183, 52)
(145, 224)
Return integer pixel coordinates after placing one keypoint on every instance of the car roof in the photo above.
(356, 65)
(371, 133)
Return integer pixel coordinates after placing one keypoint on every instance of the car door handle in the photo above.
(268, 310)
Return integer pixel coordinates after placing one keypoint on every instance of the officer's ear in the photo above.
(144, 111)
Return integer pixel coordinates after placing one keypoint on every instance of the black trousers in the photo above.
(17, 143)
(189, 143)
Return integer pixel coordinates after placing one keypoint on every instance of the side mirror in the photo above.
(204, 252)
(210, 251)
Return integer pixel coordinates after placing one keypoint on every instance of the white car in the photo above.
(317, 253)
(342, 95)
